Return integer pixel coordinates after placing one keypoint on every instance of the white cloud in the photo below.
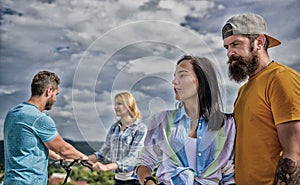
(151, 65)
(102, 47)
(8, 89)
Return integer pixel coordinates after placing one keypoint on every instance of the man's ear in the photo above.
(261, 40)
(48, 91)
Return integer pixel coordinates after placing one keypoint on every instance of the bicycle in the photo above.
(68, 166)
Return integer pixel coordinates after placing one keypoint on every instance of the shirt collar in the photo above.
(181, 114)
(134, 124)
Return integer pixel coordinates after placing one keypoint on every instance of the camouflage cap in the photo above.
(248, 24)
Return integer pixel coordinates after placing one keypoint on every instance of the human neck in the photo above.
(126, 120)
(192, 110)
(38, 102)
(263, 63)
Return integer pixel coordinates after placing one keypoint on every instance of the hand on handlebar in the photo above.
(68, 160)
(84, 158)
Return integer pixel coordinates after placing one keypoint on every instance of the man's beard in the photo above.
(49, 105)
(242, 66)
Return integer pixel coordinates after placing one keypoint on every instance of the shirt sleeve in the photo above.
(284, 96)
(45, 128)
(104, 151)
(228, 175)
(151, 155)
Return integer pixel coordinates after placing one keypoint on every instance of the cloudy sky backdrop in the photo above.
(99, 48)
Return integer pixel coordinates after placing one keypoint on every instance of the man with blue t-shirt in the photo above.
(30, 135)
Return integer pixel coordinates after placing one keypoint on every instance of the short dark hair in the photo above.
(43, 80)
(252, 38)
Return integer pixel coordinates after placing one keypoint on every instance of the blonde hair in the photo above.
(130, 103)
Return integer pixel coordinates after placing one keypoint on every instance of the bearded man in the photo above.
(30, 136)
(267, 108)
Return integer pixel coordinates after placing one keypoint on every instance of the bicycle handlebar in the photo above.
(87, 163)
(68, 168)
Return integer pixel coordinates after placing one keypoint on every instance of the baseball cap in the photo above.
(248, 24)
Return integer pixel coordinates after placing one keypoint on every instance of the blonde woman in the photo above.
(123, 141)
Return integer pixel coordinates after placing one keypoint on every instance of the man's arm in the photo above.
(64, 149)
(288, 170)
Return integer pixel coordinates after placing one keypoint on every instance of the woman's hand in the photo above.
(105, 167)
(100, 167)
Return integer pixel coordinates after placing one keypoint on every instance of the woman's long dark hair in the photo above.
(209, 94)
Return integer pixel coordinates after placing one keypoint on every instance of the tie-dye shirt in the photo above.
(165, 147)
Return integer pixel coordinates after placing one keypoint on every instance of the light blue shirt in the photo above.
(26, 129)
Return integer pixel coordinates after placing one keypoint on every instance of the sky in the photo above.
(99, 48)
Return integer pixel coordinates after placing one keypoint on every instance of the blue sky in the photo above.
(99, 48)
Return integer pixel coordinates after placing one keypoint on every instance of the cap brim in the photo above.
(273, 42)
